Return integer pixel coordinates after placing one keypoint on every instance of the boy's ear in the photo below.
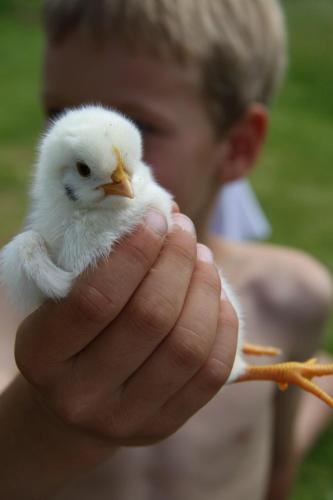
(243, 143)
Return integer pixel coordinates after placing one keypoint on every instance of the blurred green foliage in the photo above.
(16, 7)
(20, 115)
(294, 180)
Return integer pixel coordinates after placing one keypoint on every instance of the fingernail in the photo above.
(175, 208)
(156, 221)
(183, 222)
(204, 254)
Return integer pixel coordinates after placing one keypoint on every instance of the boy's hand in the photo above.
(140, 343)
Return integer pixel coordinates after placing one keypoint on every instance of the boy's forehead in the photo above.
(78, 70)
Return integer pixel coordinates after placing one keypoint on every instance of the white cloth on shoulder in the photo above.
(238, 215)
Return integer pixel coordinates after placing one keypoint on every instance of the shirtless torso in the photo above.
(226, 450)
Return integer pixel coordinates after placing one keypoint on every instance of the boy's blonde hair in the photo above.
(237, 45)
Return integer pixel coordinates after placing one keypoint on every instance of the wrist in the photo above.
(40, 454)
(86, 446)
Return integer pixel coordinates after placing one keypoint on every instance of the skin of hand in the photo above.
(141, 343)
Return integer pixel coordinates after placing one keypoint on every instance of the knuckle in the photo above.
(69, 413)
(90, 303)
(76, 409)
(137, 251)
(122, 424)
(154, 314)
(214, 374)
(187, 349)
(71, 409)
(209, 280)
(183, 252)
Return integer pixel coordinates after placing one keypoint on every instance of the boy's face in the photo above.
(162, 97)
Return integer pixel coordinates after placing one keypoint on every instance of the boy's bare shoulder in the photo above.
(293, 288)
(292, 282)
(287, 279)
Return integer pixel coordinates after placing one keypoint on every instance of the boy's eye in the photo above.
(145, 127)
(83, 169)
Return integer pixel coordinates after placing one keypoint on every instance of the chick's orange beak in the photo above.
(122, 188)
(121, 184)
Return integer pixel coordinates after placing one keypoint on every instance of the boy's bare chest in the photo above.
(222, 452)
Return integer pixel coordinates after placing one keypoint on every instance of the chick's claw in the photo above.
(258, 350)
(295, 373)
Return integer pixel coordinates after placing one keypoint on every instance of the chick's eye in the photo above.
(83, 169)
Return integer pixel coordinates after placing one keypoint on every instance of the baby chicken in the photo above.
(91, 188)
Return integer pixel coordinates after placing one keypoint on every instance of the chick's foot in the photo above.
(259, 350)
(295, 373)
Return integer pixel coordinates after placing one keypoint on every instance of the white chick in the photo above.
(86, 155)
(91, 188)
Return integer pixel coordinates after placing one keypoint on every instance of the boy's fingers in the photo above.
(211, 377)
(186, 348)
(56, 331)
(148, 317)
(175, 208)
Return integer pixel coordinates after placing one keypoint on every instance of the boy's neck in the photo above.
(224, 251)
(201, 222)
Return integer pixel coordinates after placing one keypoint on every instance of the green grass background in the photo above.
(295, 176)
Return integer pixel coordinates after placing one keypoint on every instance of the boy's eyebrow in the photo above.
(155, 112)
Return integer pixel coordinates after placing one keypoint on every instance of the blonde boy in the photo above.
(196, 76)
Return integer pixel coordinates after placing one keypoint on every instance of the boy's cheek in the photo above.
(182, 165)
(162, 158)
